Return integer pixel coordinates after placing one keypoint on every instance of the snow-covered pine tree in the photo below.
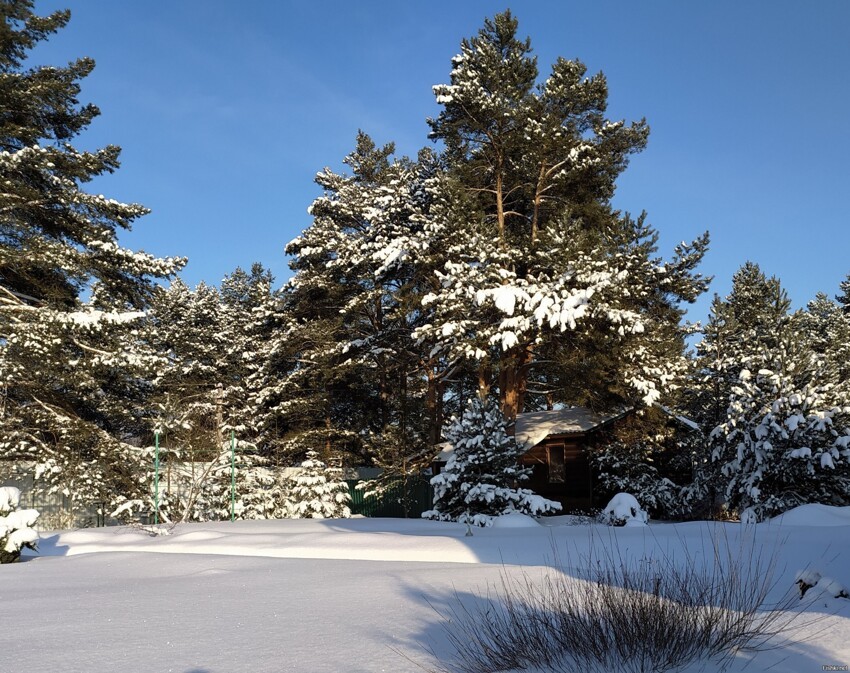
(354, 302)
(317, 491)
(209, 340)
(843, 297)
(247, 303)
(73, 369)
(745, 326)
(742, 325)
(825, 327)
(544, 262)
(483, 475)
(785, 440)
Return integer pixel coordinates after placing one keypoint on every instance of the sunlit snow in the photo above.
(310, 596)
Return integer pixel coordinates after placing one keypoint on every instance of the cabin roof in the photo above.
(533, 427)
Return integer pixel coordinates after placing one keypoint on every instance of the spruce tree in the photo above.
(71, 298)
(750, 320)
(786, 438)
(317, 491)
(483, 475)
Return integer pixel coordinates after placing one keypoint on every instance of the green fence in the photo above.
(403, 499)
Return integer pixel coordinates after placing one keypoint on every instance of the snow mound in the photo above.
(624, 510)
(822, 587)
(827, 586)
(814, 515)
(515, 520)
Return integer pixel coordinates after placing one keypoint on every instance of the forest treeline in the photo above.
(492, 264)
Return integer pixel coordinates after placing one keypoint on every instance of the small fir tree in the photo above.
(318, 492)
(16, 531)
(481, 478)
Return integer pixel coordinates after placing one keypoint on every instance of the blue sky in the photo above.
(225, 112)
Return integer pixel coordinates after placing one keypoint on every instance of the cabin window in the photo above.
(557, 474)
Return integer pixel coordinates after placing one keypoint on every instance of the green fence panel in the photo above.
(400, 500)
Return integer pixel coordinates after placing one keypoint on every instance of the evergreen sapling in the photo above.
(481, 478)
(318, 492)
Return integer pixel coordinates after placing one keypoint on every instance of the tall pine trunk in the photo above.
(513, 380)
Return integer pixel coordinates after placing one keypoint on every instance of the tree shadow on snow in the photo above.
(47, 546)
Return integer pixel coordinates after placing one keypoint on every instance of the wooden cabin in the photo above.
(555, 444)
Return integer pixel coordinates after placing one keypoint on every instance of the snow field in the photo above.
(355, 595)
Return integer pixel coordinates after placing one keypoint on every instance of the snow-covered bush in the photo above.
(481, 478)
(623, 510)
(16, 530)
(782, 444)
(318, 492)
(625, 468)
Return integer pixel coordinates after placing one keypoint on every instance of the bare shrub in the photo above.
(642, 615)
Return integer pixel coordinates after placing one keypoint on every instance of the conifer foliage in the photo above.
(318, 492)
(494, 267)
(71, 299)
(482, 477)
(545, 264)
(16, 525)
(772, 396)
(783, 443)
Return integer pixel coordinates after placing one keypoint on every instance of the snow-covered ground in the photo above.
(356, 595)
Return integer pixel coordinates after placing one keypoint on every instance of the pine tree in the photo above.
(71, 298)
(826, 329)
(247, 300)
(744, 328)
(187, 329)
(543, 263)
(318, 492)
(482, 477)
(209, 342)
(354, 301)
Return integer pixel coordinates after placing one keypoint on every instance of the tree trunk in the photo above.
(485, 378)
(434, 406)
(513, 380)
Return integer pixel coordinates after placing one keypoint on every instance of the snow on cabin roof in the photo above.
(532, 428)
